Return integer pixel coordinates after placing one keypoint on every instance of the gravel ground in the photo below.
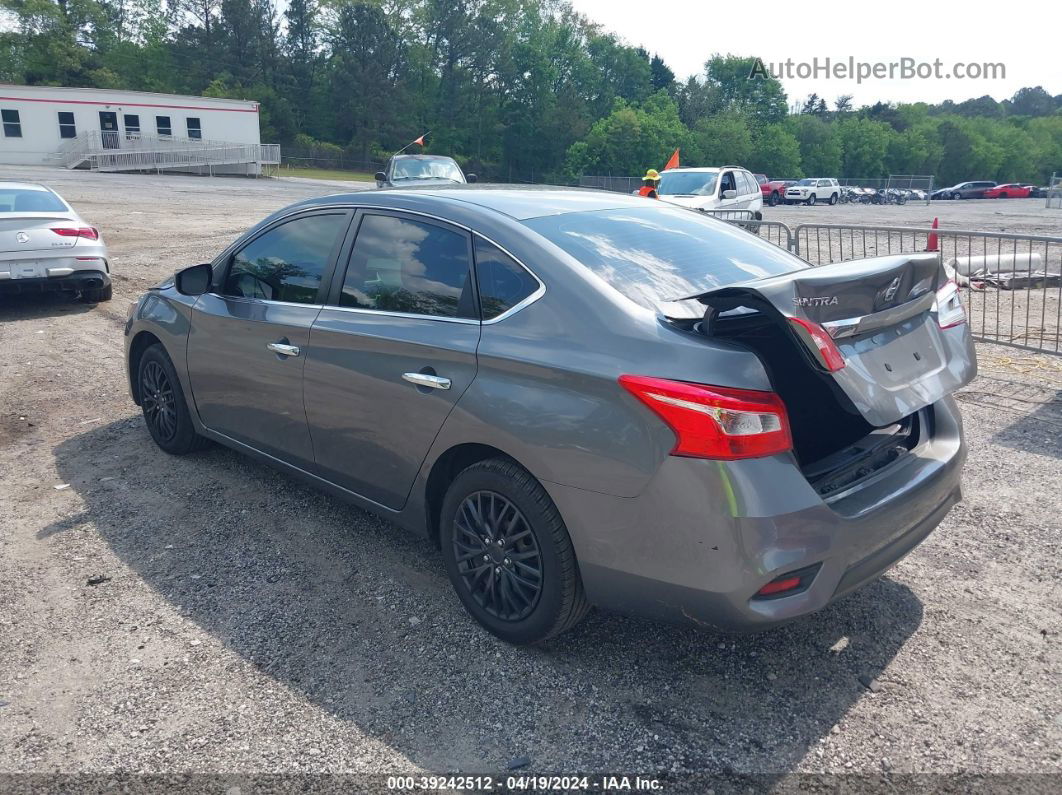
(206, 614)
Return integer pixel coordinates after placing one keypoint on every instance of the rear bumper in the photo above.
(705, 536)
(61, 282)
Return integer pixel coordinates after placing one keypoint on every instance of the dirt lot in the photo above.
(245, 623)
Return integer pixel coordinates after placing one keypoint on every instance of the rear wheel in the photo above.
(508, 554)
(833, 199)
(96, 296)
(773, 199)
(162, 402)
(1002, 195)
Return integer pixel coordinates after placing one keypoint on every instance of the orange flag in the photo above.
(420, 140)
(673, 162)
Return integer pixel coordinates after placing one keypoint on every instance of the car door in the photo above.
(391, 353)
(246, 349)
(728, 182)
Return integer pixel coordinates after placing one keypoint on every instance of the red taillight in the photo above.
(87, 232)
(779, 586)
(821, 342)
(715, 421)
(948, 306)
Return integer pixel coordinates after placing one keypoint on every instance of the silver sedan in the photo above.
(46, 246)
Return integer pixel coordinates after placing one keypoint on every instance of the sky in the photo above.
(686, 32)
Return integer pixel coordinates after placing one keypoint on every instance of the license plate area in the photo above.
(31, 269)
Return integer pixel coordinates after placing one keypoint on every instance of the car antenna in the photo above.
(415, 141)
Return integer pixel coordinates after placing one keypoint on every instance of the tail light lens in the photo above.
(87, 232)
(948, 306)
(714, 421)
(819, 341)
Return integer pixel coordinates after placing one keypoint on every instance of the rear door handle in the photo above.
(423, 379)
(282, 349)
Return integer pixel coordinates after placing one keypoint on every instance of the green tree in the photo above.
(776, 153)
(864, 144)
(742, 88)
(722, 139)
(820, 150)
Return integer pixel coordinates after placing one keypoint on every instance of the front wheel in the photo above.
(162, 402)
(508, 554)
(812, 199)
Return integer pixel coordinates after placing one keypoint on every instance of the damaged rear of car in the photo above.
(791, 484)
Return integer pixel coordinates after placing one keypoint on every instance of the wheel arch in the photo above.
(447, 467)
(141, 342)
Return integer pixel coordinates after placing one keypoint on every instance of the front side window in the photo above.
(502, 282)
(286, 263)
(663, 253)
(195, 129)
(132, 125)
(12, 123)
(163, 126)
(401, 265)
(67, 128)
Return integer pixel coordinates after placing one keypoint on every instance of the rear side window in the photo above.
(502, 282)
(402, 265)
(661, 253)
(287, 262)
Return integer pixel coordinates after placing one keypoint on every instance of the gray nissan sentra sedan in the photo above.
(582, 398)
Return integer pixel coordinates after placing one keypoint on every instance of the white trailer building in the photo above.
(110, 130)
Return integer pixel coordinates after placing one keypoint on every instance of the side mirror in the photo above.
(471, 177)
(194, 280)
(380, 177)
(729, 194)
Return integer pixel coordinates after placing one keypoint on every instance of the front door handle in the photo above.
(423, 379)
(282, 349)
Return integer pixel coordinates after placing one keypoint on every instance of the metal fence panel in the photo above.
(1011, 283)
(617, 184)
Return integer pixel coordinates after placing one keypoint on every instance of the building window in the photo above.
(195, 130)
(162, 124)
(67, 128)
(132, 125)
(12, 124)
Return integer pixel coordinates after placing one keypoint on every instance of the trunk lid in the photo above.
(879, 313)
(33, 232)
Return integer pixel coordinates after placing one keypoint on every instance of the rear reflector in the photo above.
(789, 584)
(778, 586)
(948, 306)
(714, 421)
(87, 232)
(818, 340)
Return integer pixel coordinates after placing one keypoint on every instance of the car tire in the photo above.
(812, 199)
(163, 405)
(525, 599)
(773, 199)
(833, 199)
(96, 296)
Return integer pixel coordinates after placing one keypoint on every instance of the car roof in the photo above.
(696, 169)
(517, 202)
(422, 157)
(25, 186)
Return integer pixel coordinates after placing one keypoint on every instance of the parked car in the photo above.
(964, 190)
(45, 246)
(723, 188)
(581, 397)
(773, 190)
(413, 170)
(813, 190)
(1011, 190)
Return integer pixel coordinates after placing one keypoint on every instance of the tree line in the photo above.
(522, 90)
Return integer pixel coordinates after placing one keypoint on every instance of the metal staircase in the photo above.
(112, 151)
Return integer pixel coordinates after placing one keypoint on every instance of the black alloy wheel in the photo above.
(158, 402)
(497, 556)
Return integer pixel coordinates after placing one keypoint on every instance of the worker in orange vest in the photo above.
(649, 183)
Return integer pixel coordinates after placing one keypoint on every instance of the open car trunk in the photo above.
(857, 353)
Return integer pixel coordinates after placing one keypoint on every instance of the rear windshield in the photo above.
(663, 253)
(27, 200)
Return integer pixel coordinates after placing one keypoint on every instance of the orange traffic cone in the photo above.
(931, 244)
